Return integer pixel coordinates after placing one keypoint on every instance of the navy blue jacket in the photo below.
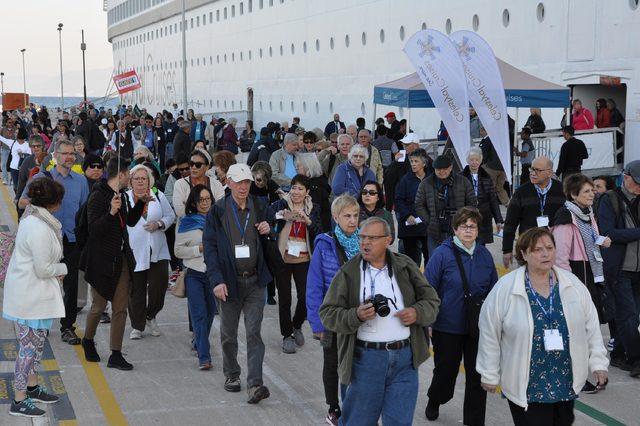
(348, 180)
(219, 254)
(405, 207)
(192, 134)
(444, 276)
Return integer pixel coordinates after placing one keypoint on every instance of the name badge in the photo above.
(542, 221)
(294, 248)
(158, 137)
(169, 130)
(242, 252)
(553, 340)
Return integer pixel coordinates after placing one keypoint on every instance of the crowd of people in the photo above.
(131, 205)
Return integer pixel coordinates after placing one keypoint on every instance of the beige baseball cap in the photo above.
(239, 172)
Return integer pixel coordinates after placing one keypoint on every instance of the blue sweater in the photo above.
(444, 276)
(347, 180)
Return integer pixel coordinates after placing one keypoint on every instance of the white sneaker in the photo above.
(152, 325)
(135, 334)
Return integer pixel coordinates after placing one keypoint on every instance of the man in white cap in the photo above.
(234, 233)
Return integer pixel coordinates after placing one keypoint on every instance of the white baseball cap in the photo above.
(239, 172)
(410, 138)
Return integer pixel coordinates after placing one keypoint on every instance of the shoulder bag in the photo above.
(472, 304)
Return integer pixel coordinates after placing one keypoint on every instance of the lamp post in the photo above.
(184, 59)
(61, 81)
(83, 47)
(24, 79)
(2, 81)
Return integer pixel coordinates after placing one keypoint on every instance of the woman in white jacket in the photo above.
(32, 295)
(149, 245)
(540, 336)
(202, 306)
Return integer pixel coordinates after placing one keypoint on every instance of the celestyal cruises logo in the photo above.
(465, 50)
(427, 48)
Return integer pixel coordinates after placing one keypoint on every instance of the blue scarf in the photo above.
(191, 222)
(351, 244)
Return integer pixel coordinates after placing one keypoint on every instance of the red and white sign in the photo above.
(127, 81)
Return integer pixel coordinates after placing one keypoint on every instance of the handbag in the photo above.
(178, 289)
(472, 304)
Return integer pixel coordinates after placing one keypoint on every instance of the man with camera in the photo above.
(378, 304)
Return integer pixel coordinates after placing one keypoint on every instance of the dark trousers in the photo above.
(283, 282)
(147, 294)
(416, 249)
(552, 414)
(330, 378)
(626, 292)
(448, 349)
(70, 284)
(271, 289)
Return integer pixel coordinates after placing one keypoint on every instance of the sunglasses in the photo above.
(196, 164)
(369, 192)
(96, 166)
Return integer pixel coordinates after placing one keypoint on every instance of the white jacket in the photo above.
(148, 246)
(506, 334)
(31, 289)
(182, 188)
(187, 249)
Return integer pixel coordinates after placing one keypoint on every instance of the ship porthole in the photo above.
(381, 36)
(540, 12)
(402, 33)
(633, 4)
(505, 18)
(476, 22)
(448, 26)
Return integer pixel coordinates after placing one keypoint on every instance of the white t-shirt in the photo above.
(382, 329)
(16, 150)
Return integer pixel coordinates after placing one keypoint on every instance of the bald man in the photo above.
(533, 204)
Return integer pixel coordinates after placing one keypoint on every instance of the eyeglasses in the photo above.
(65, 153)
(369, 192)
(183, 169)
(204, 200)
(366, 238)
(96, 166)
(468, 227)
(139, 179)
(357, 156)
(196, 164)
(536, 171)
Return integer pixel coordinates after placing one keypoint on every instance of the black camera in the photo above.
(381, 305)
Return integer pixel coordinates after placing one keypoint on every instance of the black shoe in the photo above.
(90, 352)
(105, 318)
(271, 300)
(432, 411)
(232, 384)
(39, 394)
(116, 360)
(589, 388)
(69, 336)
(257, 394)
(635, 369)
(620, 363)
(25, 408)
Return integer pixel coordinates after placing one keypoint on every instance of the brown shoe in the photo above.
(206, 366)
(257, 394)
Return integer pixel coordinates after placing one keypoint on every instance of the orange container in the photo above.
(11, 101)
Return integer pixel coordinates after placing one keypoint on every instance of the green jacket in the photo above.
(338, 310)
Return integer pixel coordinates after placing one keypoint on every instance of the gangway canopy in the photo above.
(521, 89)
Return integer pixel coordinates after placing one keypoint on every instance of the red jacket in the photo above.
(582, 120)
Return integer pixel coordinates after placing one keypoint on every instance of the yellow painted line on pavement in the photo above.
(107, 400)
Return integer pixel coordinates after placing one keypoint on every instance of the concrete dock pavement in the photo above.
(167, 388)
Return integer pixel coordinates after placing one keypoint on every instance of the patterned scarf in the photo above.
(351, 243)
(584, 223)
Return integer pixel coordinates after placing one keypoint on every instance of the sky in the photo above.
(32, 25)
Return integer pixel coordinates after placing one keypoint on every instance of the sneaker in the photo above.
(90, 352)
(271, 300)
(116, 360)
(69, 336)
(332, 417)
(257, 394)
(289, 345)
(620, 363)
(25, 408)
(432, 411)
(298, 336)
(152, 325)
(135, 334)
(635, 369)
(105, 318)
(589, 388)
(232, 384)
(39, 394)
(611, 344)
(206, 366)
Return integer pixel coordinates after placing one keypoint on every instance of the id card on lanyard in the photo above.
(542, 220)
(242, 250)
(552, 336)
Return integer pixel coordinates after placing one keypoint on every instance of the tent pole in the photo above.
(517, 144)
(373, 121)
(408, 120)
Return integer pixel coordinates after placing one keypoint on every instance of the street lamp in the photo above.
(61, 81)
(83, 47)
(24, 79)
(2, 81)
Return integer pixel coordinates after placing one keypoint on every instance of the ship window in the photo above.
(241, 56)
(240, 105)
(218, 103)
(198, 61)
(270, 51)
(331, 107)
(249, 55)
(363, 109)
(211, 22)
(210, 60)
(187, 27)
(218, 58)
(540, 11)
(381, 36)
(225, 104)
(424, 26)
(292, 106)
(233, 10)
(304, 106)
(217, 15)
(175, 28)
(233, 104)
(280, 106)
(448, 26)
(331, 44)
(293, 49)
(261, 5)
(281, 51)
(475, 22)
(225, 58)
(241, 8)
(233, 57)
(191, 62)
(270, 106)
(317, 45)
(260, 105)
(210, 103)
(633, 4)
(270, 2)
(346, 40)
(317, 108)
(304, 47)
(197, 21)
(364, 39)
(281, 1)
(261, 52)
(225, 13)
(505, 17)
(250, 6)
(401, 33)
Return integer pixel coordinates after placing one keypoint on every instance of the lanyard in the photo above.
(297, 230)
(372, 285)
(543, 199)
(237, 219)
(475, 184)
(548, 314)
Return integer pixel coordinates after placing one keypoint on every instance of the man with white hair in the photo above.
(283, 161)
(332, 157)
(375, 160)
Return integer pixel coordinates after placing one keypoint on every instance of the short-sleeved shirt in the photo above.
(550, 373)
(76, 193)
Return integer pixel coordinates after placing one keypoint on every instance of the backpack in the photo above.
(7, 242)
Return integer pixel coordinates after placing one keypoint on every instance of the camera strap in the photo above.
(372, 283)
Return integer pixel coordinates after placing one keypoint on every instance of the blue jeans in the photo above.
(14, 180)
(4, 154)
(626, 292)
(202, 309)
(382, 383)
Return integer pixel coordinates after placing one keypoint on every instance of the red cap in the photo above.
(390, 114)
